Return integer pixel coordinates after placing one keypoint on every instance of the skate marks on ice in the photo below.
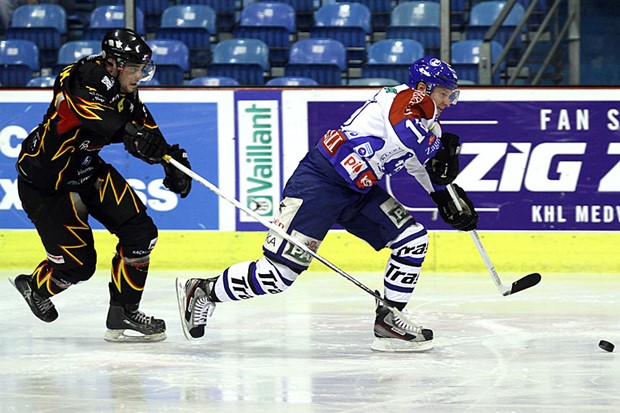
(307, 350)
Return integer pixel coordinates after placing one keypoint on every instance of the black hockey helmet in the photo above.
(126, 46)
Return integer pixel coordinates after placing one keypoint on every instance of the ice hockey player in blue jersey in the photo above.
(335, 184)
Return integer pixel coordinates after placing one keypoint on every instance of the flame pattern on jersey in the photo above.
(42, 277)
(106, 185)
(87, 113)
(85, 108)
(133, 276)
(396, 129)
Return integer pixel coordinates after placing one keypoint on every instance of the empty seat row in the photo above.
(272, 22)
(247, 60)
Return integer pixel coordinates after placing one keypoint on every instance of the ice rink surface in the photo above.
(307, 350)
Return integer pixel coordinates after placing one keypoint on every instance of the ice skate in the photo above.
(195, 305)
(42, 307)
(126, 324)
(395, 333)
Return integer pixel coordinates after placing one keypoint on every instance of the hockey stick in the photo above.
(282, 233)
(528, 281)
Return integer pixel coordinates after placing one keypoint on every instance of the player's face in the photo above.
(442, 96)
(129, 76)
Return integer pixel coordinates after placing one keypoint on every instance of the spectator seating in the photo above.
(349, 23)
(171, 58)
(194, 25)
(106, 17)
(380, 11)
(44, 24)
(213, 81)
(41, 81)
(271, 22)
(323, 60)
(466, 57)
(153, 9)
(245, 60)
(417, 20)
(374, 81)
(304, 11)
(19, 62)
(224, 9)
(153, 82)
(291, 81)
(74, 50)
(391, 58)
(482, 17)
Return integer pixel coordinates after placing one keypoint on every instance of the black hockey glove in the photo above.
(444, 166)
(175, 180)
(465, 220)
(145, 144)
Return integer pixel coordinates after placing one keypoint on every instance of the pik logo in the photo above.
(353, 165)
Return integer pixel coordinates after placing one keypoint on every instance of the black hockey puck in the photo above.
(606, 345)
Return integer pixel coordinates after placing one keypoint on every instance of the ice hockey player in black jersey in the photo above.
(397, 129)
(62, 181)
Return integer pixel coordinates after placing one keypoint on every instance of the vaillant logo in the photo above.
(259, 156)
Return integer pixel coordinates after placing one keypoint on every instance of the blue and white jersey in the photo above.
(396, 129)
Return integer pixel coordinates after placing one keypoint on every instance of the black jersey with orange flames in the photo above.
(87, 113)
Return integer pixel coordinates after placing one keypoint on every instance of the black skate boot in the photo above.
(396, 333)
(195, 305)
(124, 318)
(42, 307)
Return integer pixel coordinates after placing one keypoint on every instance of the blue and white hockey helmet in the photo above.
(433, 72)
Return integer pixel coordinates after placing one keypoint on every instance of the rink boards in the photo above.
(542, 166)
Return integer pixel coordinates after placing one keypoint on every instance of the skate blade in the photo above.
(119, 336)
(394, 345)
(180, 284)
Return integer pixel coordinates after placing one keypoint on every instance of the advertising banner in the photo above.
(192, 124)
(532, 159)
(527, 163)
(258, 155)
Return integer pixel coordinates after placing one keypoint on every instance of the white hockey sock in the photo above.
(404, 266)
(253, 278)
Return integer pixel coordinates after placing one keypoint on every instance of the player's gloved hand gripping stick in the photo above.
(285, 235)
(528, 281)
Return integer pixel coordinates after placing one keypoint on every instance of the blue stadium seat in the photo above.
(304, 13)
(44, 24)
(391, 58)
(224, 10)
(323, 60)
(417, 20)
(482, 17)
(213, 81)
(245, 60)
(153, 82)
(74, 50)
(271, 22)
(19, 59)
(171, 58)
(152, 10)
(106, 17)
(466, 56)
(194, 25)
(374, 81)
(291, 81)
(380, 10)
(349, 23)
(41, 81)
(459, 13)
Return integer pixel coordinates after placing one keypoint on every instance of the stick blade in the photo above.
(528, 281)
